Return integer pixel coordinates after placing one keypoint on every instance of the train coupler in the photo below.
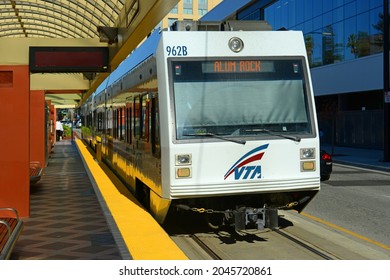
(259, 218)
(242, 217)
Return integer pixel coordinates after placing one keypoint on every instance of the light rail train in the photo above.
(216, 118)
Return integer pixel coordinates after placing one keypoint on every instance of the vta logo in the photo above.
(242, 170)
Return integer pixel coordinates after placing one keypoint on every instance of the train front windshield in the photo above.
(240, 98)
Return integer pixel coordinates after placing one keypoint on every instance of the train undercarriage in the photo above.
(242, 212)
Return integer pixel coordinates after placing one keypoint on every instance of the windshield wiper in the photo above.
(208, 134)
(270, 132)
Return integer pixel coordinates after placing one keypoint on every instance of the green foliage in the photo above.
(86, 131)
(67, 131)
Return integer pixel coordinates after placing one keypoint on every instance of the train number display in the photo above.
(177, 50)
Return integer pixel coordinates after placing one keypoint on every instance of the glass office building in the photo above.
(344, 42)
(335, 30)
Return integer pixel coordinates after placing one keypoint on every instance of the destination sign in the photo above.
(237, 66)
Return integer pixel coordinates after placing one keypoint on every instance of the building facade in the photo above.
(344, 41)
(188, 10)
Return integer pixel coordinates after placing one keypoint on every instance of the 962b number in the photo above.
(177, 50)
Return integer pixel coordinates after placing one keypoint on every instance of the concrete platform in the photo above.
(79, 213)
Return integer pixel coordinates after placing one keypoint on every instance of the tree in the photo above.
(359, 44)
(309, 48)
(352, 44)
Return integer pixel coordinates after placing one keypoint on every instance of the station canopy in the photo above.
(57, 18)
(119, 25)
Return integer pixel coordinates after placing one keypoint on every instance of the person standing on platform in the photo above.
(59, 130)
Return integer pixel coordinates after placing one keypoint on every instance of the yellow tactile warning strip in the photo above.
(143, 236)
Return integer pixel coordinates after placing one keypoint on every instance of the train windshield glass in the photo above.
(240, 98)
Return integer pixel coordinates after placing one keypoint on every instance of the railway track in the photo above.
(297, 238)
(310, 247)
(213, 255)
(271, 244)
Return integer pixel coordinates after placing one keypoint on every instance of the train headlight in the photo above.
(184, 159)
(308, 153)
(236, 44)
(183, 171)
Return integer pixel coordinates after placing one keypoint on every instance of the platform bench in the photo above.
(11, 227)
(35, 171)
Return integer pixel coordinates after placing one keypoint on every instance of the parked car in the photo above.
(326, 164)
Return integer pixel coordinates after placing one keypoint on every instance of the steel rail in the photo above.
(304, 245)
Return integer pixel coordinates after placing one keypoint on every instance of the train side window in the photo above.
(98, 121)
(104, 122)
(130, 126)
(117, 119)
(145, 117)
(95, 121)
(128, 123)
(115, 126)
(137, 117)
(155, 128)
(118, 124)
(89, 120)
(110, 122)
(122, 123)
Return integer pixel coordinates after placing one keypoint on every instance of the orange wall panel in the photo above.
(15, 126)
(37, 126)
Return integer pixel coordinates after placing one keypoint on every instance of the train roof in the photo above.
(145, 50)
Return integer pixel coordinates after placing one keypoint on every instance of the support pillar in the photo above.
(38, 143)
(15, 126)
(51, 126)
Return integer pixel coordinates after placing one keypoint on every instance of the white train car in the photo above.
(215, 120)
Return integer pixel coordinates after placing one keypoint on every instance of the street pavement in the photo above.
(366, 158)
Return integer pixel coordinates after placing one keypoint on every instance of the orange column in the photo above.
(37, 126)
(14, 124)
(51, 128)
(53, 118)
